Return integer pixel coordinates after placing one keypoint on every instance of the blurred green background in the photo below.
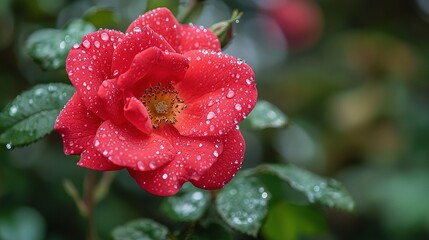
(352, 76)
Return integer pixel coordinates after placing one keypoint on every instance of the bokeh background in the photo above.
(352, 77)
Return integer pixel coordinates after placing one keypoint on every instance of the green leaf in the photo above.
(243, 204)
(287, 221)
(31, 115)
(141, 229)
(173, 5)
(265, 115)
(210, 231)
(188, 205)
(328, 192)
(49, 47)
(102, 17)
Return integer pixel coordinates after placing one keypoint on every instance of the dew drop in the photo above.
(238, 106)
(62, 44)
(115, 72)
(75, 45)
(97, 44)
(210, 115)
(96, 143)
(215, 153)
(13, 110)
(140, 165)
(249, 81)
(104, 36)
(152, 165)
(165, 176)
(9, 146)
(230, 94)
(137, 29)
(198, 157)
(86, 44)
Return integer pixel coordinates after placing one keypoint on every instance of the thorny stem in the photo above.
(90, 180)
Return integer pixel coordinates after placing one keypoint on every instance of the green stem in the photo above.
(90, 180)
(184, 17)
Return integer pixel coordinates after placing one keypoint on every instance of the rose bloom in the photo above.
(160, 100)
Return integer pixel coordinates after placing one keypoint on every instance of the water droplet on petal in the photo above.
(215, 153)
(96, 143)
(140, 165)
(238, 106)
(210, 115)
(198, 157)
(115, 72)
(165, 176)
(97, 44)
(230, 94)
(137, 29)
(86, 44)
(104, 36)
(249, 81)
(152, 165)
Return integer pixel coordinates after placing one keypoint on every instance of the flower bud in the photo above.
(223, 30)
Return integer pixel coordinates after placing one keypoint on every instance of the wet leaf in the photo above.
(243, 204)
(173, 5)
(101, 17)
(210, 231)
(325, 191)
(188, 205)
(265, 115)
(287, 221)
(31, 115)
(49, 47)
(141, 229)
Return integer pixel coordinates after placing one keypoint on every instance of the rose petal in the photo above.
(132, 44)
(227, 165)
(198, 38)
(162, 21)
(152, 67)
(136, 113)
(194, 157)
(89, 63)
(92, 159)
(112, 101)
(77, 126)
(219, 92)
(126, 146)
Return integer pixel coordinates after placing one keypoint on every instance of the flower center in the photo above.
(163, 104)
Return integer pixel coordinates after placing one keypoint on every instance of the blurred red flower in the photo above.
(301, 22)
(160, 100)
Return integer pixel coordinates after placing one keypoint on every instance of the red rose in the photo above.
(161, 101)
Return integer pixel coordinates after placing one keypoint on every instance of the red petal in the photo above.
(162, 21)
(112, 100)
(136, 113)
(194, 157)
(227, 165)
(89, 63)
(134, 43)
(77, 126)
(92, 159)
(152, 67)
(126, 146)
(219, 92)
(198, 38)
